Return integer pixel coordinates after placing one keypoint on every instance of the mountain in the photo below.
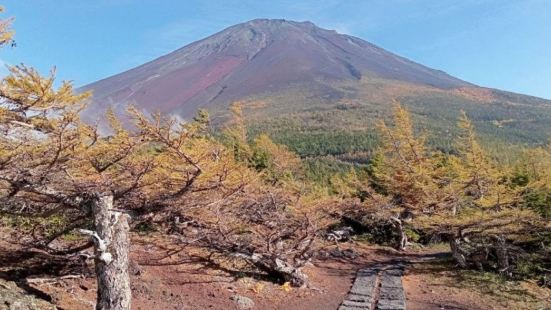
(299, 77)
(255, 57)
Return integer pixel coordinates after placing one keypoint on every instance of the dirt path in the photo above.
(179, 282)
(377, 288)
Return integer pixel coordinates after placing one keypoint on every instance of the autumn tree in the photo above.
(412, 176)
(53, 164)
(275, 162)
(235, 133)
(6, 33)
(257, 212)
(407, 167)
(485, 191)
(468, 199)
(533, 172)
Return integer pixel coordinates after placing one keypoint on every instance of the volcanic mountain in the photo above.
(312, 75)
(256, 57)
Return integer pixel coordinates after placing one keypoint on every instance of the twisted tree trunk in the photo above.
(502, 256)
(277, 268)
(111, 259)
(457, 253)
(403, 238)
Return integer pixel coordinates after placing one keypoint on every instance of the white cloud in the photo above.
(343, 28)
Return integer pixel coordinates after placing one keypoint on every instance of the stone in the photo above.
(14, 298)
(356, 304)
(243, 302)
(368, 272)
(391, 281)
(391, 305)
(394, 272)
(350, 308)
(134, 268)
(360, 298)
(362, 290)
(391, 293)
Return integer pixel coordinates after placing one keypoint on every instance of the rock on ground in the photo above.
(14, 298)
(243, 302)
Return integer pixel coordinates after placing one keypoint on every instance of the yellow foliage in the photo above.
(6, 33)
(258, 288)
(286, 287)
(408, 168)
(482, 180)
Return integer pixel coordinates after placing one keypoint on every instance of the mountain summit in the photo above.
(259, 56)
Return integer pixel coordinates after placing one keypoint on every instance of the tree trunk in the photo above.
(403, 238)
(277, 268)
(502, 256)
(291, 274)
(457, 253)
(111, 249)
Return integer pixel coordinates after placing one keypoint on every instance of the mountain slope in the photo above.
(316, 90)
(253, 58)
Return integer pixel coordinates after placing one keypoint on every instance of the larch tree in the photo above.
(235, 133)
(481, 180)
(408, 172)
(53, 164)
(258, 213)
(407, 166)
(6, 33)
(276, 163)
(488, 217)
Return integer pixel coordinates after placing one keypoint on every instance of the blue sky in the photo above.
(504, 44)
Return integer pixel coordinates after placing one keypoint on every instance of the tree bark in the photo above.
(111, 260)
(291, 274)
(457, 253)
(278, 268)
(502, 256)
(403, 238)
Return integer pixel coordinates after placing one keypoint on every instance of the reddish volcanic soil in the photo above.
(160, 281)
(170, 284)
(253, 58)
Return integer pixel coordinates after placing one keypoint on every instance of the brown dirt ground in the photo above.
(435, 286)
(176, 282)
